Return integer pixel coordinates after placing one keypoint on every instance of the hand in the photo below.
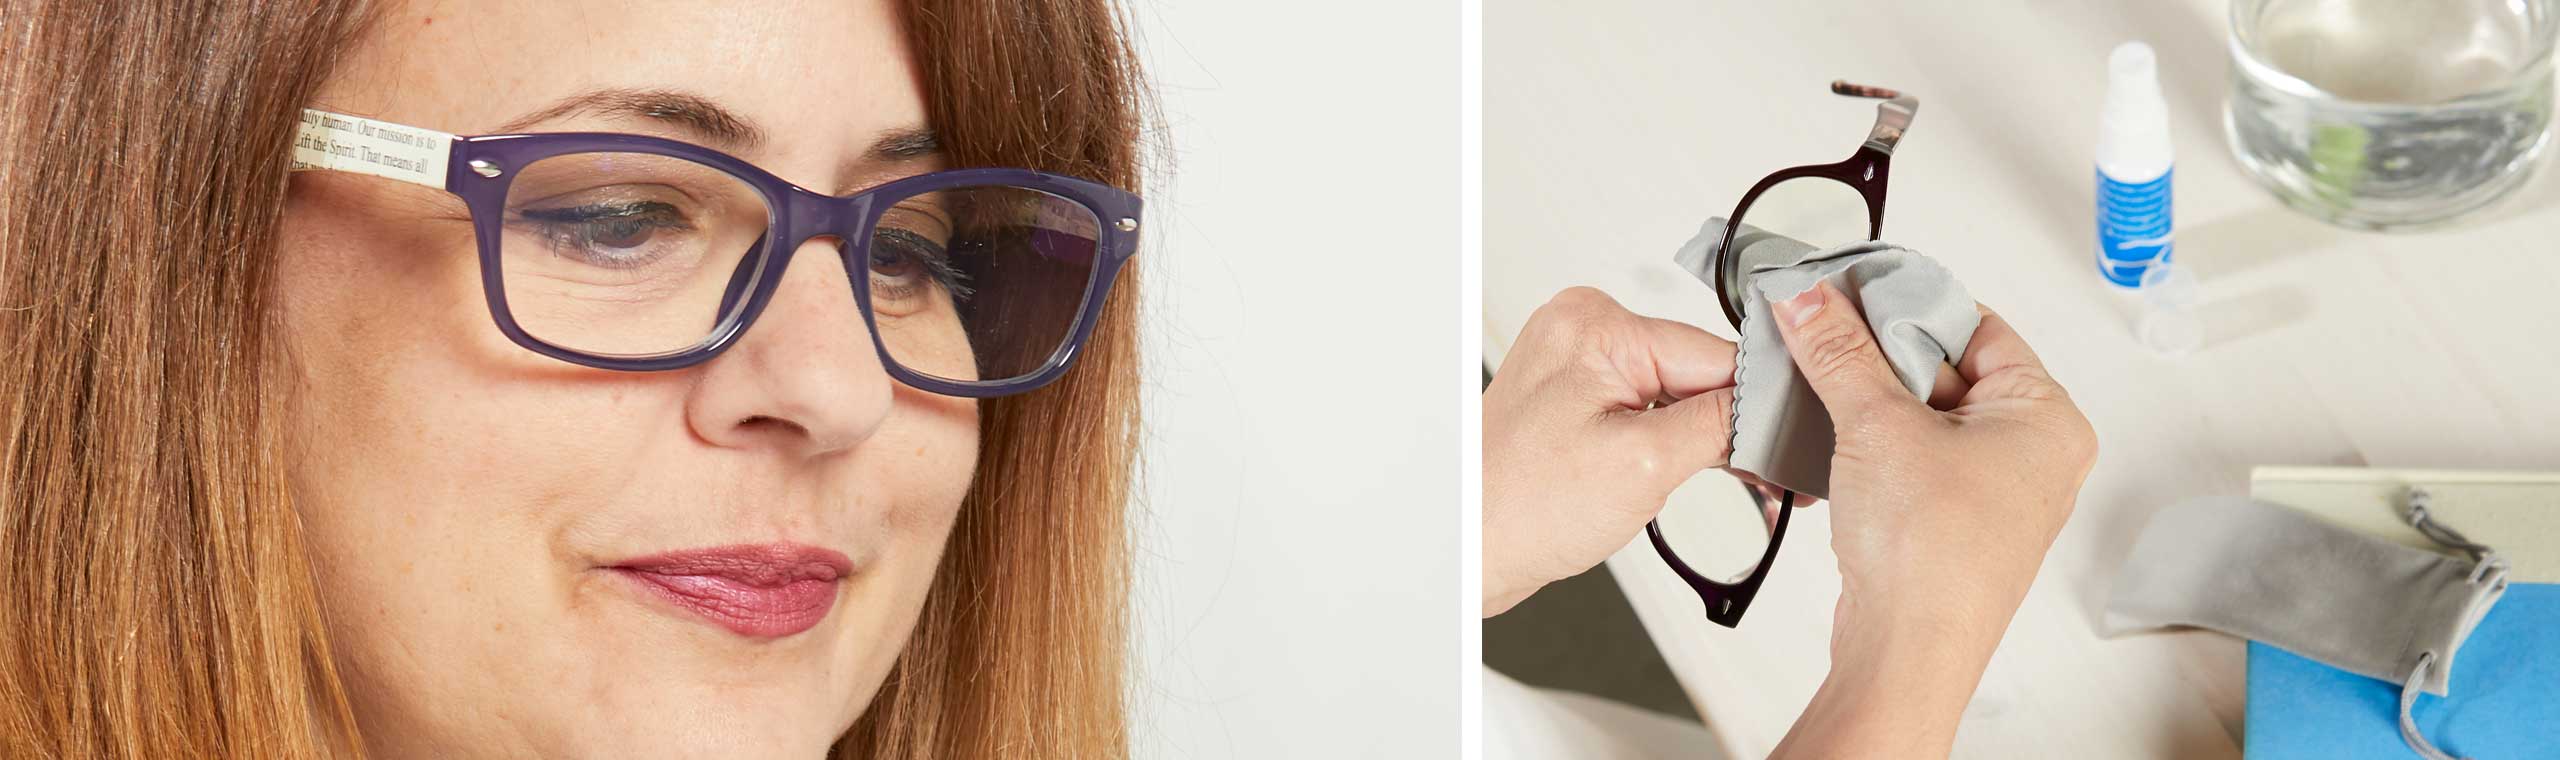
(1596, 415)
(1940, 520)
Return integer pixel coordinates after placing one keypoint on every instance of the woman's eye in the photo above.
(894, 261)
(623, 233)
(906, 265)
(613, 235)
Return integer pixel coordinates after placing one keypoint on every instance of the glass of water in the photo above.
(2390, 114)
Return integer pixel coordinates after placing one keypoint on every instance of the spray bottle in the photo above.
(2134, 162)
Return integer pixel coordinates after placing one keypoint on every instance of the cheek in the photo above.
(388, 361)
(400, 390)
(365, 308)
(930, 447)
(426, 459)
(923, 463)
(359, 287)
(920, 471)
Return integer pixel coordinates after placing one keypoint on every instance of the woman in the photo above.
(1941, 509)
(316, 463)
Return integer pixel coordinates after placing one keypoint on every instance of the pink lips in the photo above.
(756, 590)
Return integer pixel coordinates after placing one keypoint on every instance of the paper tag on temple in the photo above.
(351, 144)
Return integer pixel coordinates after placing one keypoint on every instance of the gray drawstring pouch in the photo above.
(1920, 316)
(2277, 575)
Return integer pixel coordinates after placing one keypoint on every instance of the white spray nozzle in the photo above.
(2133, 89)
(2130, 63)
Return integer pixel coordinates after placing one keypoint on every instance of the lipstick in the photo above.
(754, 590)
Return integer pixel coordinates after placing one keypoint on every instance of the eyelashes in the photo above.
(902, 253)
(609, 235)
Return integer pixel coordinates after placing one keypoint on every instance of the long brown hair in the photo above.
(155, 599)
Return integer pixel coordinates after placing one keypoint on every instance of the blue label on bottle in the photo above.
(2134, 227)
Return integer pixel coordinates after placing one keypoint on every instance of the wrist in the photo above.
(1872, 624)
(1958, 606)
(1897, 687)
(1507, 580)
(1910, 653)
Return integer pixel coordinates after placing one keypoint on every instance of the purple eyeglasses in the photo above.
(638, 253)
(1864, 175)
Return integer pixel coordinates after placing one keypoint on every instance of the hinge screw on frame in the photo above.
(485, 167)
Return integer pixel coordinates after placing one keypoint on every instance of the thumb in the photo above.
(1836, 353)
(1691, 435)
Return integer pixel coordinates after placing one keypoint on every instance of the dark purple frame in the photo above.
(481, 168)
(1864, 171)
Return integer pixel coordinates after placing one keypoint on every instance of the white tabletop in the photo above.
(1612, 129)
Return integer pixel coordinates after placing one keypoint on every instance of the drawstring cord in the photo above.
(2408, 697)
(2435, 530)
(2488, 566)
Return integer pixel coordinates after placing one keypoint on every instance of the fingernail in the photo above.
(1801, 308)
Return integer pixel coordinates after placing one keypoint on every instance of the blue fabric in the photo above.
(2504, 701)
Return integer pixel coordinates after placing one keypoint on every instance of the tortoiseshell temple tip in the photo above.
(1845, 87)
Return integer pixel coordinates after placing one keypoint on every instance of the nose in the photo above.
(805, 379)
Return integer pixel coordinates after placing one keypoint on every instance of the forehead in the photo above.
(799, 70)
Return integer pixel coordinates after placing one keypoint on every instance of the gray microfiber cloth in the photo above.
(1920, 315)
(2277, 575)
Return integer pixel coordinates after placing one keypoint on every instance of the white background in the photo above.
(1298, 532)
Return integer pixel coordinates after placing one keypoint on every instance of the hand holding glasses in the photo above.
(637, 253)
(1823, 205)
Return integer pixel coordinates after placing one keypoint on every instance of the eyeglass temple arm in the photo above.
(338, 142)
(1893, 116)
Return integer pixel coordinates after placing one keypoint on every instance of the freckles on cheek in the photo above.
(359, 291)
(932, 463)
(551, 454)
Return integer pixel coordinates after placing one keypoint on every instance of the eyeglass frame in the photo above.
(1864, 171)
(479, 169)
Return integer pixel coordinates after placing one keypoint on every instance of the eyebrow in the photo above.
(708, 121)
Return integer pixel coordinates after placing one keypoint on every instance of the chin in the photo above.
(671, 688)
(714, 720)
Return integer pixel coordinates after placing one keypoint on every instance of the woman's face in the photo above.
(524, 557)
